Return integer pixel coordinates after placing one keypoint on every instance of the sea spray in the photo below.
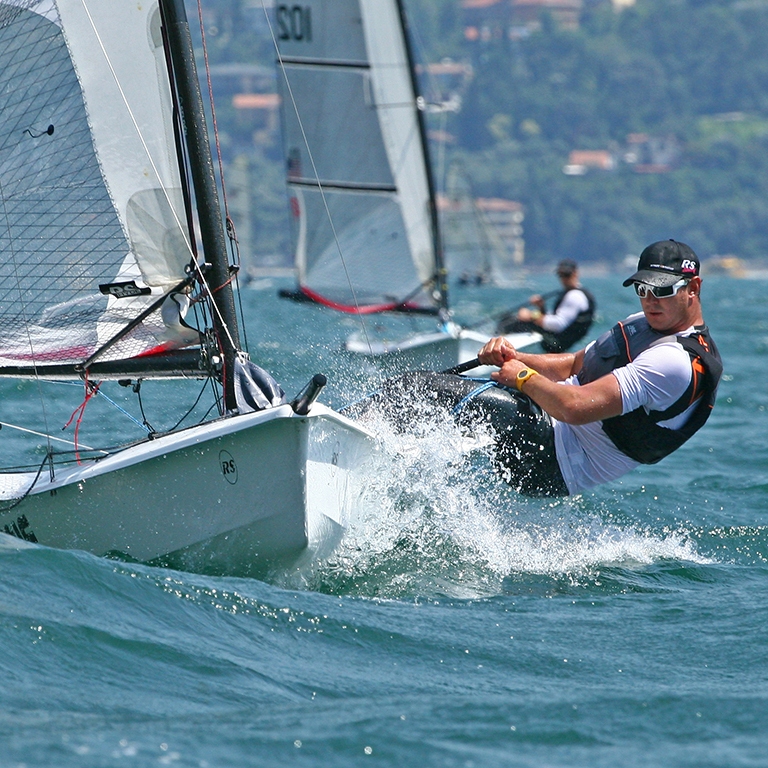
(436, 519)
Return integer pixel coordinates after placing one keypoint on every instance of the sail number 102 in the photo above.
(294, 22)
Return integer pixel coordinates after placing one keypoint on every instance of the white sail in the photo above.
(357, 168)
(89, 182)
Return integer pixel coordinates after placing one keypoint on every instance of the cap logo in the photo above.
(688, 265)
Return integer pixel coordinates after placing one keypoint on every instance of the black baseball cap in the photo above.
(566, 267)
(664, 263)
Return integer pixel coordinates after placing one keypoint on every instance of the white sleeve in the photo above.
(574, 302)
(655, 379)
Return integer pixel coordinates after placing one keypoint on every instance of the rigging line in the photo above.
(214, 307)
(216, 401)
(240, 304)
(213, 109)
(230, 227)
(137, 389)
(108, 399)
(26, 493)
(184, 233)
(205, 415)
(317, 177)
(111, 402)
(441, 166)
(223, 371)
(194, 405)
(234, 245)
(90, 391)
(442, 104)
(421, 48)
(51, 437)
(123, 411)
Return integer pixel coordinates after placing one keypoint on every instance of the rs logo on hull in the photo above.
(228, 467)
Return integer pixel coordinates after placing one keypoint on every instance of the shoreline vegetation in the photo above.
(673, 96)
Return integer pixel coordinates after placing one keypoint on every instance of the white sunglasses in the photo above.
(642, 290)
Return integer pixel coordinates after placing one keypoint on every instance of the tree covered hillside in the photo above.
(693, 73)
(638, 125)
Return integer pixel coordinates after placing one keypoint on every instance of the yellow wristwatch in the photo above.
(523, 376)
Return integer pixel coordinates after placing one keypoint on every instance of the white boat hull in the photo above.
(434, 351)
(236, 496)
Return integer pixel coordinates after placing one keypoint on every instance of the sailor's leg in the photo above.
(524, 440)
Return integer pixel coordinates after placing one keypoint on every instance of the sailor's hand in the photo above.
(537, 301)
(507, 375)
(497, 352)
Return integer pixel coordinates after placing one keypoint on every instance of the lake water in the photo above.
(458, 625)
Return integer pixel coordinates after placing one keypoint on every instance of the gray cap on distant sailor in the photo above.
(664, 263)
(566, 267)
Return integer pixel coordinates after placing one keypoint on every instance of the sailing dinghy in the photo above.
(106, 186)
(363, 207)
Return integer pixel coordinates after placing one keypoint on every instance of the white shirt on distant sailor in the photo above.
(573, 304)
(654, 380)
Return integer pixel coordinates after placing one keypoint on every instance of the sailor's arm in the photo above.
(595, 401)
(556, 367)
(572, 404)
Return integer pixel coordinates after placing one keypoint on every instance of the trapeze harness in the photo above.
(560, 342)
(637, 434)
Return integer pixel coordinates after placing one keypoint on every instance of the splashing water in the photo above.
(435, 519)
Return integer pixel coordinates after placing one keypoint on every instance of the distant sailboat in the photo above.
(475, 250)
(365, 222)
(105, 172)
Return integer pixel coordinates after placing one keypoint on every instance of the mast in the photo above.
(204, 183)
(441, 283)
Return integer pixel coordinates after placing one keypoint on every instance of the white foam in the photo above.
(434, 510)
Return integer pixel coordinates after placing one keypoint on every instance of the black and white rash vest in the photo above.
(638, 433)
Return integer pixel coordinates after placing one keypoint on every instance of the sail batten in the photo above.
(361, 207)
(339, 185)
(299, 61)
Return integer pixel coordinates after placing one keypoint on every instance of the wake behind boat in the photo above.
(106, 185)
(363, 206)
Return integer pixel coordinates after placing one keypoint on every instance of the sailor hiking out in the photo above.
(566, 422)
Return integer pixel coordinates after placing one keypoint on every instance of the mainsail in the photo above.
(93, 225)
(364, 220)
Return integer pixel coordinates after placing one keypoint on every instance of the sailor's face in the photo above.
(673, 313)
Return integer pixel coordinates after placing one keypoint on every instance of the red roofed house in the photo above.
(495, 19)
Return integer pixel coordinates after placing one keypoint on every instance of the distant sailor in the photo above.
(571, 316)
(567, 422)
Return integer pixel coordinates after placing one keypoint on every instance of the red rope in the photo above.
(210, 291)
(90, 391)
